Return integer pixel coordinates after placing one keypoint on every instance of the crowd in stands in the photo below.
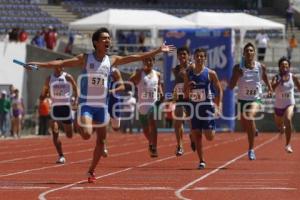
(44, 38)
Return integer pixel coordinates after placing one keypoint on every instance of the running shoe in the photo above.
(251, 154)
(179, 151)
(105, 152)
(202, 165)
(192, 144)
(256, 132)
(91, 177)
(153, 151)
(288, 148)
(61, 160)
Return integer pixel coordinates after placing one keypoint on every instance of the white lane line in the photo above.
(123, 188)
(242, 188)
(42, 196)
(22, 188)
(179, 191)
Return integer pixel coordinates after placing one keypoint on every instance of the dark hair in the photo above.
(97, 34)
(249, 44)
(199, 50)
(181, 49)
(284, 59)
(59, 58)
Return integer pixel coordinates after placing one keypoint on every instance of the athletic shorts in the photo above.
(98, 114)
(151, 114)
(62, 113)
(244, 104)
(200, 112)
(280, 111)
(113, 110)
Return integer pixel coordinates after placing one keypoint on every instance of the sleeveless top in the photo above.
(284, 93)
(179, 83)
(249, 85)
(94, 81)
(60, 89)
(147, 91)
(201, 90)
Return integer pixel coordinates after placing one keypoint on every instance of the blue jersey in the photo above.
(201, 90)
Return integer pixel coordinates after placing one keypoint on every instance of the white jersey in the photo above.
(94, 81)
(284, 93)
(147, 91)
(60, 89)
(249, 85)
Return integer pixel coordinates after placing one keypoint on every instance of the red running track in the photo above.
(28, 169)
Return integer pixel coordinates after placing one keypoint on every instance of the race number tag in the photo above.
(179, 89)
(250, 92)
(149, 93)
(286, 95)
(60, 90)
(96, 80)
(198, 95)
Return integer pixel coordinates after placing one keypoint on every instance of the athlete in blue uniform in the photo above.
(94, 80)
(197, 87)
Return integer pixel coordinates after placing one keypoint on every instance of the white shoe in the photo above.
(105, 152)
(288, 148)
(61, 160)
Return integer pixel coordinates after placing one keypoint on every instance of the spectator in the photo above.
(5, 106)
(121, 42)
(289, 17)
(38, 40)
(14, 35)
(129, 105)
(262, 40)
(293, 43)
(141, 41)
(69, 46)
(18, 113)
(131, 41)
(23, 35)
(50, 38)
(44, 115)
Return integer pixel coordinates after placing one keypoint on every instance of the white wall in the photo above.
(11, 73)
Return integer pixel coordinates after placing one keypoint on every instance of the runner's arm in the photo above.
(236, 73)
(121, 60)
(118, 77)
(71, 62)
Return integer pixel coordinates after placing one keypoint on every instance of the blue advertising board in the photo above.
(218, 43)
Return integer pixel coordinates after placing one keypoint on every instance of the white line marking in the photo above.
(22, 188)
(179, 191)
(42, 196)
(123, 188)
(243, 188)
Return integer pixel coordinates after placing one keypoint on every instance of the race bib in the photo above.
(60, 90)
(250, 92)
(149, 94)
(96, 80)
(285, 95)
(198, 95)
(179, 89)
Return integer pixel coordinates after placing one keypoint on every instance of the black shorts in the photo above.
(62, 113)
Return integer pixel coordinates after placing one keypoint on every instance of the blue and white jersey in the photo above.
(249, 85)
(284, 93)
(60, 89)
(94, 81)
(201, 90)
